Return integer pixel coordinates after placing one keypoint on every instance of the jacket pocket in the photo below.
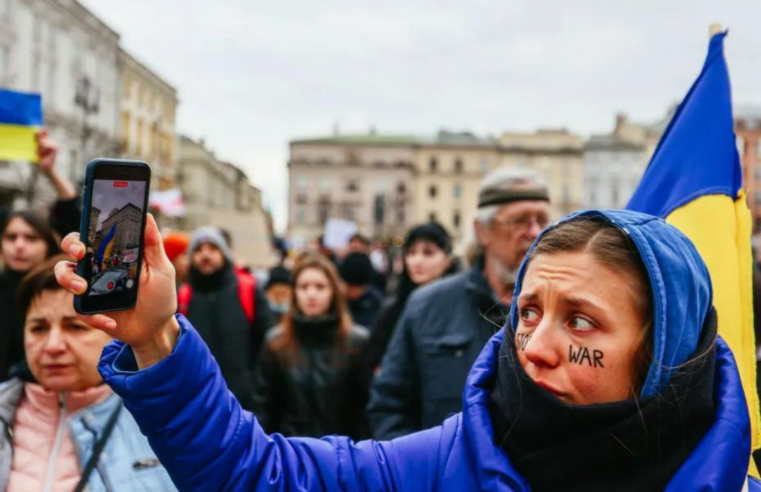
(446, 367)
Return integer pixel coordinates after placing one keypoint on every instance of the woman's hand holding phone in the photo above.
(150, 327)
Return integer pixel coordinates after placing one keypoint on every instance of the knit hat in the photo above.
(211, 235)
(356, 269)
(433, 232)
(176, 244)
(278, 275)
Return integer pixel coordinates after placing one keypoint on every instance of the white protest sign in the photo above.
(338, 232)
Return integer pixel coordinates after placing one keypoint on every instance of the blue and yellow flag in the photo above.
(106, 245)
(20, 119)
(694, 182)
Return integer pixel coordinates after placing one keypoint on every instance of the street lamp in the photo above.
(87, 98)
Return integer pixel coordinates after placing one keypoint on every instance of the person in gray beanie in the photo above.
(227, 308)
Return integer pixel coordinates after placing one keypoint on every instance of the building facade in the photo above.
(148, 114)
(614, 163)
(61, 50)
(748, 132)
(367, 179)
(128, 221)
(556, 155)
(220, 193)
(448, 172)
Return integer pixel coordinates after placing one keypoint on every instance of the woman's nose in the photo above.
(55, 342)
(541, 346)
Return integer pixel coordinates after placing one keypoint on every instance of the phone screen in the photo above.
(114, 239)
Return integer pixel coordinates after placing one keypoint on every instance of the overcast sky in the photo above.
(252, 74)
(106, 198)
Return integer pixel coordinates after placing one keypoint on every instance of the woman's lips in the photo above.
(549, 388)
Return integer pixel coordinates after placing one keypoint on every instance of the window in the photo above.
(457, 190)
(379, 213)
(325, 184)
(350, 211)
(352, 185)
(433, 165)
(456, 220)
(301, 214)
(381, 186)
(432, 217)
(301, 183)
(323, 211)
(592, 185)
(484, 164)
(433, 191)
(400, 214)
(458, 166)
(401, 187)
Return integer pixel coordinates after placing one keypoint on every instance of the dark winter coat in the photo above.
(317, 391)
(365, 309)
(216, 312)
(441, 332)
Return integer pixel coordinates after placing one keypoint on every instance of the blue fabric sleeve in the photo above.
(207, 442)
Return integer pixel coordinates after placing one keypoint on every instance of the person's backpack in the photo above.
(246, 290)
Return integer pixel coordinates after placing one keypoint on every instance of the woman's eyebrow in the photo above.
(581, 302)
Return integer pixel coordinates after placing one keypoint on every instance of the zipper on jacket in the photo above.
(53, 458)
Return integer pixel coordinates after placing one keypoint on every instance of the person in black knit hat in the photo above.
(427, 253)
(364, 301)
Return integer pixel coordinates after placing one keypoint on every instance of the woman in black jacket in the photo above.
(427, 257)
(308, 383)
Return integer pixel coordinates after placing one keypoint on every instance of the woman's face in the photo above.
(579, 328)
(425, 262)
(62, 351)
(314, 294)
(22, 246)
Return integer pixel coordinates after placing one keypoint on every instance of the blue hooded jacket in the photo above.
(208, 443)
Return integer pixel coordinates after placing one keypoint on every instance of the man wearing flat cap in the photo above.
(446, 324)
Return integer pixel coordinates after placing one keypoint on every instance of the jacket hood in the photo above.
(719, 462)
(679, 282)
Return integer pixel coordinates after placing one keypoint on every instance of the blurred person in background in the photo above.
(427, 256)
(227, 308)
(359, 244)
(176, 247)
(445, 325)
(308, 378)
(26, 240)
(279, 292)
(59, 417)
(364, 299)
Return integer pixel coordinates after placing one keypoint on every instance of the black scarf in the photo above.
(626, 446)
(315, 330)
(212, 281)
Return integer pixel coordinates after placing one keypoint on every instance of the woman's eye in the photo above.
(37, 329)
(581, 324)
(529, 315)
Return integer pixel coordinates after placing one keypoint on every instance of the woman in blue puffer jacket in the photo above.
(611, 377)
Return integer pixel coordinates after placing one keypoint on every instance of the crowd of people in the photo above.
(561, 358)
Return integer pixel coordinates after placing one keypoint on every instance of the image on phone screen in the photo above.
(114, 236)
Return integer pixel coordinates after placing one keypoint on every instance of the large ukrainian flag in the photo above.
(694, 181)
(20, 119)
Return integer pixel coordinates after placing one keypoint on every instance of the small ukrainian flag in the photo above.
(20, 120)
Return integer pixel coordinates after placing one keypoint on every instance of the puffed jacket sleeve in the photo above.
(207, 442)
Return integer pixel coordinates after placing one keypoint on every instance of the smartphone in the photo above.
(113, 229)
